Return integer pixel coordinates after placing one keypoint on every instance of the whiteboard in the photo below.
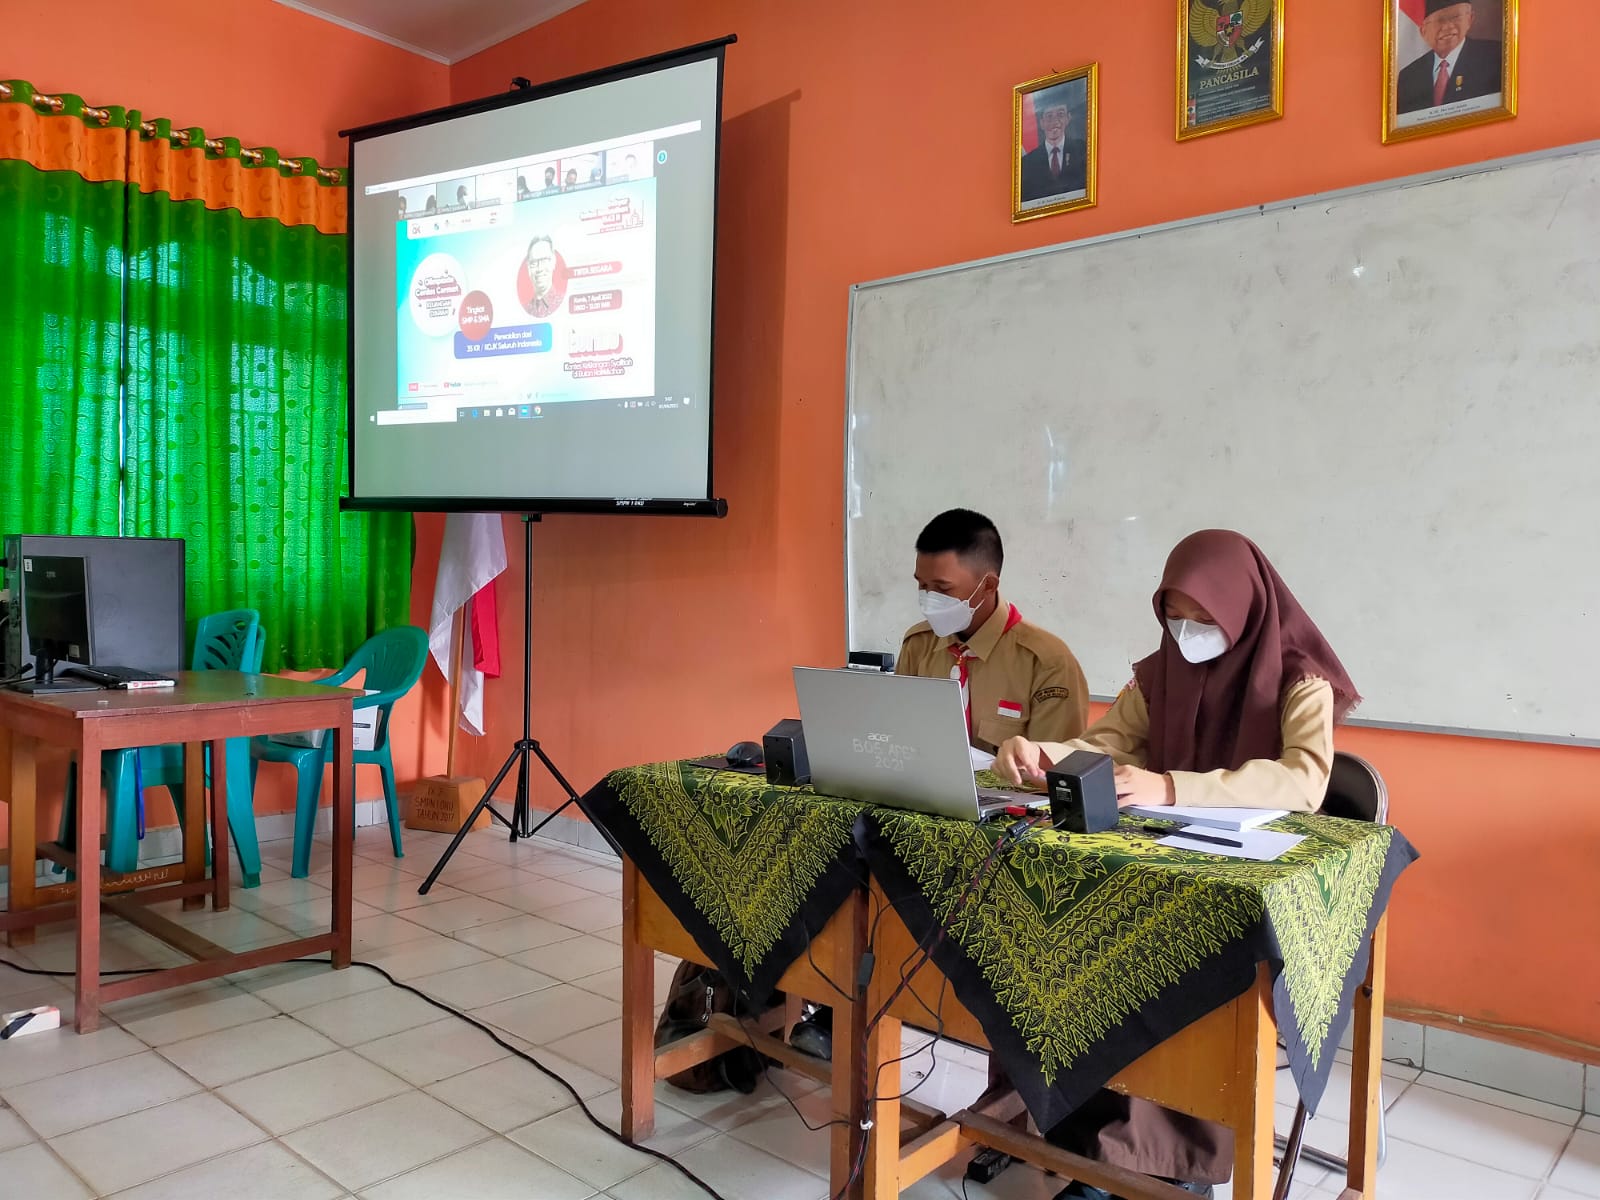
(1394, 391)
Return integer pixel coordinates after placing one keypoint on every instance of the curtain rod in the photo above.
(183, 137)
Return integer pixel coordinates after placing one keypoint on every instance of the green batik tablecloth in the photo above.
(751, 870)
(1079, 953)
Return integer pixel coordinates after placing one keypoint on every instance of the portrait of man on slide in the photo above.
(1456, 66)
(544, 291)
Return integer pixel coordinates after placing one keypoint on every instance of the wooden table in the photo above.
(1222, 1067)
(205, 706)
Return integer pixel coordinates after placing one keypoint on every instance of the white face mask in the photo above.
(1197, 641)
(946, 615)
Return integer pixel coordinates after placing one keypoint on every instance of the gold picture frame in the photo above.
(1055, 122)
(1230, 65)
(1416, 102)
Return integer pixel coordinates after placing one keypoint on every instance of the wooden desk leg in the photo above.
(880, 1174)
(1256, 1081)
(219, 825)
(845, 1137)
(638, 1017)
(344, 838)
(17, 760)
(89, 821)
(194, 820)
(1366, 1068)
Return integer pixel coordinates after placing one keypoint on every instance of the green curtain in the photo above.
(235, 416)
(61, 239)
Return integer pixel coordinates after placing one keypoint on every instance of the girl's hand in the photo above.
(1020, 762)
(1135, 785)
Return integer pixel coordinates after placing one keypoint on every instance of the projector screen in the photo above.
(531, 297)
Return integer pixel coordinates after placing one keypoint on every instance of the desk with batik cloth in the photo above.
(1079, 962)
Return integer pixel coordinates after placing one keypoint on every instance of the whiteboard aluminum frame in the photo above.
(1573, 150)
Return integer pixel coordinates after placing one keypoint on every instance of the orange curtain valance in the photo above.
(63, 133)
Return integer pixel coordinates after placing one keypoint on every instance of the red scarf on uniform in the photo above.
(1223, 713)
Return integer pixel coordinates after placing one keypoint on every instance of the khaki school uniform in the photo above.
(1296, 780)
(1021, 680)
(1139, 1134)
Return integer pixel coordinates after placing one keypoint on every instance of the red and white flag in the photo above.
(1009, 708)
(1408, 43)
(472, 554)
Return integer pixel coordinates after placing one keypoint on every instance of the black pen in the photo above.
(1195, 837)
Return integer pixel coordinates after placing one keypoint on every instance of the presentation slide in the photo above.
(532, 299)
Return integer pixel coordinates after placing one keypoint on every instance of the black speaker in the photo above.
(784, 748)
(1083, 794)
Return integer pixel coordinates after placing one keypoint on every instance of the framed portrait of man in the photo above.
(1230, 64)
(1448, 64)
(1053, 125)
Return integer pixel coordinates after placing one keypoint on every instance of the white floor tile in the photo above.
(482, 983)
(780, 1132)
(146, 1145)
(492, 1170)
(572, 960)
(13, 1132)
(590, 915)
(674, 1132)
(232, 1054)
(295, 1096)
(1477, 1132)
(264, 1172)
(385, 1139)
(1499, 1099)
(538, 895)
(383, 931)
(550, 1014)
(1579, 1168)
(172, 1016)
(91, 1095)
(367, 1016)
(737, 1171)
(426, 956)
(569, 1139)
(503, 1094)
(289, 987)
(465, 913)
(430, 1053)
(33, 1173)
(58, 1051)
(1414, 1172)
(599, 1049)
(394, 892)
(522, 932)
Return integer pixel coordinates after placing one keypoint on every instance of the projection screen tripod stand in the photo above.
(525, 748)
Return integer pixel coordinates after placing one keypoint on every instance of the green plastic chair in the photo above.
(393, 662)
(225, 641)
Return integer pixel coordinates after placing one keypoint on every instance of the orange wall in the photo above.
(866, 139)
(250, 69)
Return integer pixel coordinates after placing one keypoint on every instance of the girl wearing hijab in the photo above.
(1235, 709)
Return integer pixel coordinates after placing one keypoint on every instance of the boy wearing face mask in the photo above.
(1017, 680)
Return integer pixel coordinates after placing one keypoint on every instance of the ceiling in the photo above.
(444, 30)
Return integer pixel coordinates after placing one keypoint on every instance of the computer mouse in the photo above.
(745, 754)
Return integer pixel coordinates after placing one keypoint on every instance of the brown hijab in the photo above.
(1223, 713)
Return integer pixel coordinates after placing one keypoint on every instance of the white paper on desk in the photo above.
(1260, 845)
(1217, 818)
(982, 760)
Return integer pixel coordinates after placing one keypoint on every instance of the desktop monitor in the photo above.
(55, 603)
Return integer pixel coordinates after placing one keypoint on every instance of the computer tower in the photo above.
(136, 590)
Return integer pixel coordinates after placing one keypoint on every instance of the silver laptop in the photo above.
(896, 740)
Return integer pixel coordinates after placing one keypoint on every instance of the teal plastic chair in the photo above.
(225, 641)
(393, 662)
